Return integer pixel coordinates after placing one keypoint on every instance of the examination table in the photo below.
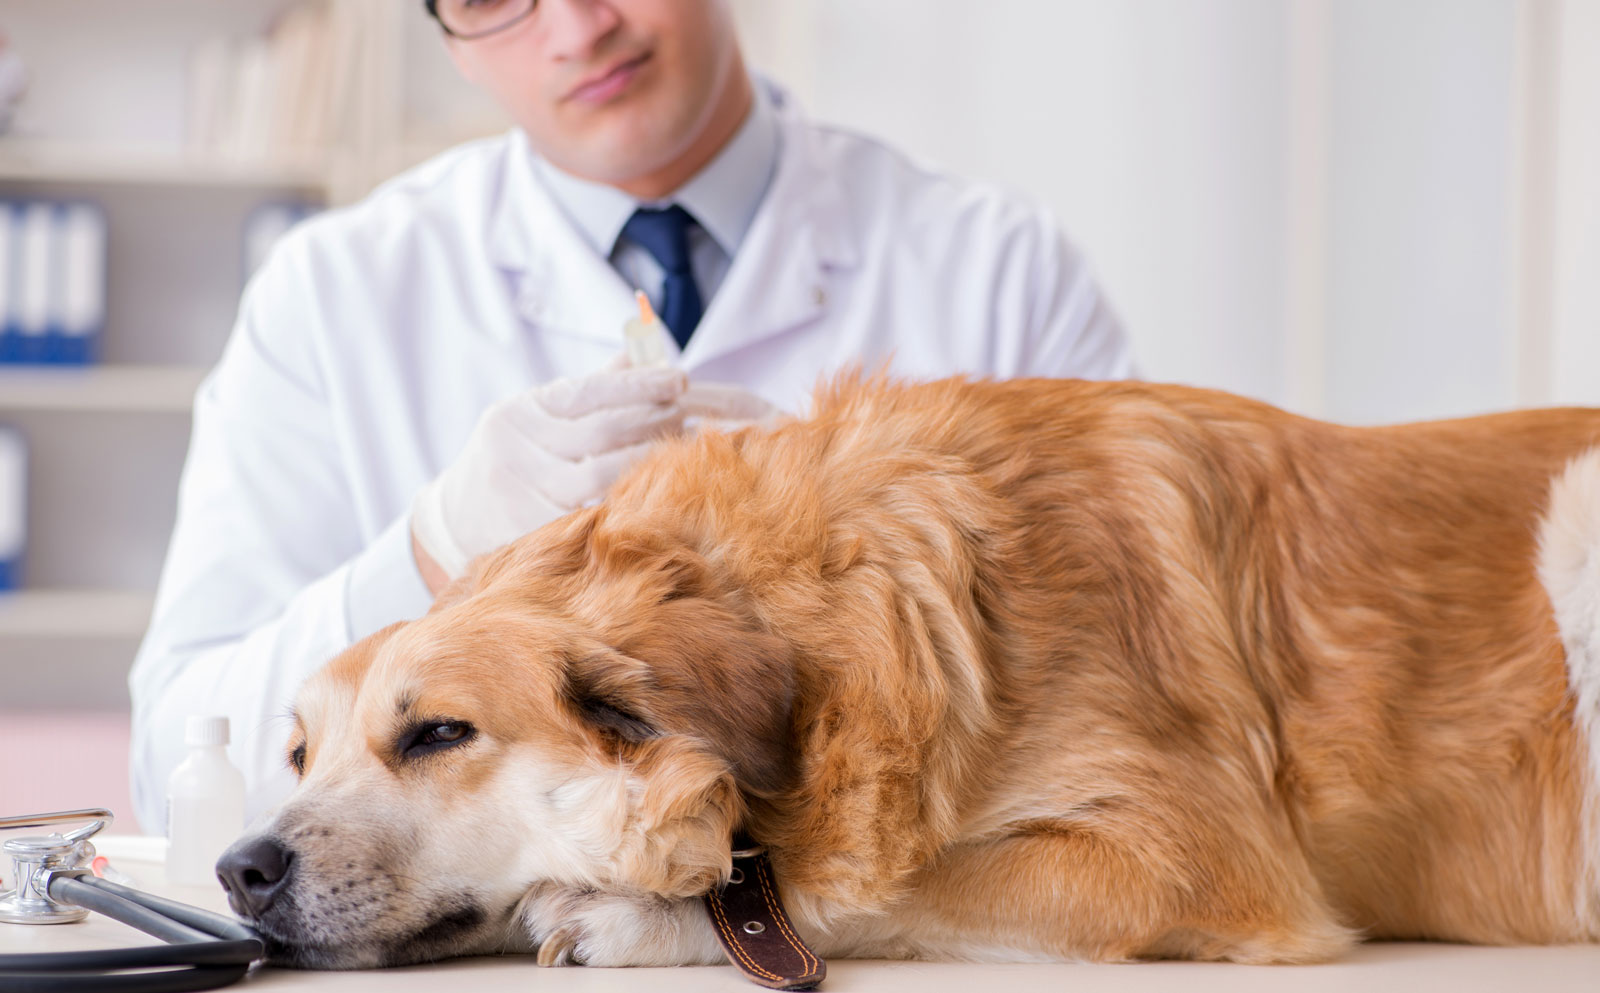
(1375, 968)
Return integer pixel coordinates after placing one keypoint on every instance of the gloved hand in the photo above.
(727, 407)
(540, 454)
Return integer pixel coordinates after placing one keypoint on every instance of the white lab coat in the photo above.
(373, 337)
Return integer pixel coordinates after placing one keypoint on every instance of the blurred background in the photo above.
(1365, 210)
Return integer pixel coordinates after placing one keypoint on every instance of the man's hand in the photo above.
(727, 407)
(537, 456)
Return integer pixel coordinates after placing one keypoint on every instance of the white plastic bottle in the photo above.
(205, 804)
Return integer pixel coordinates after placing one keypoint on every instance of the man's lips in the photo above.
(603, 86)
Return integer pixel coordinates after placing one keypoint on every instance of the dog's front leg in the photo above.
(614, 928)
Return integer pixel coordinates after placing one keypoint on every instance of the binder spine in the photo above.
(37, 284)
(13, 506)
(83, 272)
(10, 275)
(52, 281)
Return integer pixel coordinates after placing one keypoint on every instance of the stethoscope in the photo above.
(55, 885)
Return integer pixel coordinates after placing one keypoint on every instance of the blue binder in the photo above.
(52, 281)
(13, 506)
(36, 287)
(81, 290)
(9, 276)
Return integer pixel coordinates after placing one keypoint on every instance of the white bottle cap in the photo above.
(205, 731)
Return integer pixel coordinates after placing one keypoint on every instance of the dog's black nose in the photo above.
(253, 872)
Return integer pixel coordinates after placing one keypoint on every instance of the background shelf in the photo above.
(107, 389)
(78, 615)
(25, 160)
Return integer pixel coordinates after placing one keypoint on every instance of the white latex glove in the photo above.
(727, 407)
(540, 454)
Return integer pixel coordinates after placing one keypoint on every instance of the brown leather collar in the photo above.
(753, 928)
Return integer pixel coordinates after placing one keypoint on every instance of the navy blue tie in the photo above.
(665, 235)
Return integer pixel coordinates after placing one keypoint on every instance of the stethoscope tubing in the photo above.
(206, 950)
(57, 980)
(205, 924)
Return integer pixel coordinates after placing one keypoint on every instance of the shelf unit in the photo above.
(75, 614)
(35, 160)
(106, 441)
(119, 389)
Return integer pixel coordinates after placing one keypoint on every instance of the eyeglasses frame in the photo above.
(433, 12)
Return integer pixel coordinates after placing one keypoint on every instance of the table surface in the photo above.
(1373, 968)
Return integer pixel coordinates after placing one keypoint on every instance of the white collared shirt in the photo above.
(722, 197)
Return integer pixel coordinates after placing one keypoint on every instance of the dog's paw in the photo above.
(560, 947)
(609, 928)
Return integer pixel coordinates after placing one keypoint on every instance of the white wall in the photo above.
(1575, 283)
(1152, 127)
(1420, 263)
(1315, 202)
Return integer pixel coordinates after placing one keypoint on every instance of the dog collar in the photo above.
(754, 930)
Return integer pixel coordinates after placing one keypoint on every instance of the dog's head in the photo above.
(592, 707)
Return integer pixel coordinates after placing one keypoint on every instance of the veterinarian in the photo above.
(432, 372)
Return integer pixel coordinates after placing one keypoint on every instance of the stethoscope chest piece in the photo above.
(202, 950)
(32, 861)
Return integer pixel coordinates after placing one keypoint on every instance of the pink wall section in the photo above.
(65, 760)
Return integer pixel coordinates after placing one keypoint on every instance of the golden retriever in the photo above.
(1016, 671)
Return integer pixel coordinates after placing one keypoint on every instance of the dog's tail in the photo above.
(1569, 567)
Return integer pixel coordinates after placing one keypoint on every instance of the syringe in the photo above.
(642, 335)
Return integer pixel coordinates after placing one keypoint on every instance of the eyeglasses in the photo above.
(469, 19)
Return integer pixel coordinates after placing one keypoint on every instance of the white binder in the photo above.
(9, 344)
(37, 287)
(83, 282)
(13, 506)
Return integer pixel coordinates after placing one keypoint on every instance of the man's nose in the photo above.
(253, 872)
(574, 30)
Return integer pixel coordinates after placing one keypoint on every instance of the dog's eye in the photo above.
(297, 759)
(433, 737)
(445, 733)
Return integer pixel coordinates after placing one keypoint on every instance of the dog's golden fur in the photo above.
(1037, 669)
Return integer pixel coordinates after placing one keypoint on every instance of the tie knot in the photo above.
(664, 234)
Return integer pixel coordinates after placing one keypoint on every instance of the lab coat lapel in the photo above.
(562, 285)
(778, 281)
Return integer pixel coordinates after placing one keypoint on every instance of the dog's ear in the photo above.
(691, 666)
(559, 548)
(608, 690)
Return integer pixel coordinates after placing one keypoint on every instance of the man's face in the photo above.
(608, 90)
